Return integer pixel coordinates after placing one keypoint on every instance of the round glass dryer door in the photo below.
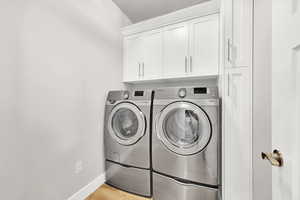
(126, 123)
(184, 128)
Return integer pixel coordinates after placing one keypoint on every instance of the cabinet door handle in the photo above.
(228, 85)
(143, 69)
(185, 61)
(139, 70)
(191, 64)
(229, 50)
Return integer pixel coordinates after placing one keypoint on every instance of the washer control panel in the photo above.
(115, 96)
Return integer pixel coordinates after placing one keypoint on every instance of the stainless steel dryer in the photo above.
(186, 144)
(127, 141)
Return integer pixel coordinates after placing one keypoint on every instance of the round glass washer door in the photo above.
(184, 128)
(126, 123)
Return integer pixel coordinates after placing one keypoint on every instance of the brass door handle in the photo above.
(274, 158)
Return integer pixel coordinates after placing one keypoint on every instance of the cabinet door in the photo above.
(204, 46)
(175, 50)
(132, 58)
(238, 137)
(152, 55)
(238, 32)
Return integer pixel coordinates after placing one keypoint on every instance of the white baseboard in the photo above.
(84, 192)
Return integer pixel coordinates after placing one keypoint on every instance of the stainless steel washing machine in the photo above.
(127, 141)
(186, 144)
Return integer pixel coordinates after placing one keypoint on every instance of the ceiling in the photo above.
(139, 10)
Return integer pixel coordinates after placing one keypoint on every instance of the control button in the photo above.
(112, 101)
(182, 92)
(126, 95)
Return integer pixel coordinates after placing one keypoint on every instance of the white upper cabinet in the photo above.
(175, 50)
(204, 46)
(151, 55)
(132, 58)
(143, 56)
(180, 50)
(238, 32)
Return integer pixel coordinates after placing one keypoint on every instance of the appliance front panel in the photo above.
(203, 167)
(165, 188)
(126, 123)
(183, 128)
(136, 154)
(129, 179)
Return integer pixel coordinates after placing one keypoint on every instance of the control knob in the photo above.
(126, 95)
(182, 93)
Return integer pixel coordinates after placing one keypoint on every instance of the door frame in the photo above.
(262, 86)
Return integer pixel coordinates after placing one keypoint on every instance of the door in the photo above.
(175, 50)
(152, 55)
(238, 32)
(132, 58)
(204, 46)
(238, 148)
(184, 128)
(126, 123)
(286, 97)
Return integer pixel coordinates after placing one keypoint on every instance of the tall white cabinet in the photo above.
(237, 135)
(237, 100)
(238, 32)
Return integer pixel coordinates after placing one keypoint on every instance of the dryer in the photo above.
(186, 144)
(127, 141)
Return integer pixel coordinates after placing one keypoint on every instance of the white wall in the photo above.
(262, 63)
(58, 60)
(12, 154)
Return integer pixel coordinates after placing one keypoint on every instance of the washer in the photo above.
(127, 141)
(186, 144)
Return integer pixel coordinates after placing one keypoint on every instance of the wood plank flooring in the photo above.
(106, 192)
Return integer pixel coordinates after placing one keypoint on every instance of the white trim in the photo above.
(84, 192)
(200, 10)
(173, 79)
(222, 86)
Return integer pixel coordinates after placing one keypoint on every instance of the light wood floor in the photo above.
(106, 192)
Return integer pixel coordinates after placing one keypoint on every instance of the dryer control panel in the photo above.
(198, 92)
(129, 95)
(187, 93)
